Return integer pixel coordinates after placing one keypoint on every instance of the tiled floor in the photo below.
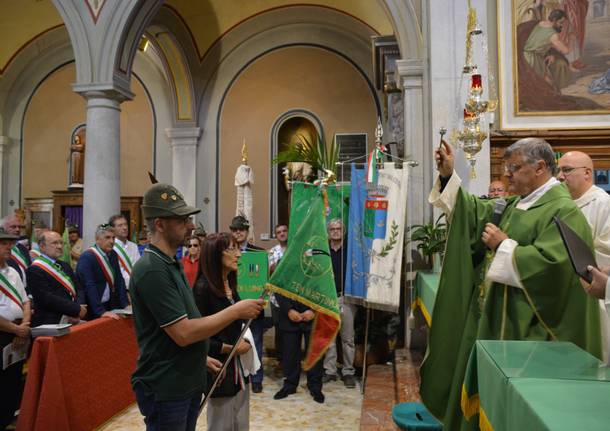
(340, 411)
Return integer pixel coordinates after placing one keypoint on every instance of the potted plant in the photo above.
(430, 239)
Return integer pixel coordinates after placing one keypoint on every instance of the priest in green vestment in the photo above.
(513, 281)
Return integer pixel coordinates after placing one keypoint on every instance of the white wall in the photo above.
(447, 56)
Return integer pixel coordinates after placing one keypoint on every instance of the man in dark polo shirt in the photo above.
(172, 336)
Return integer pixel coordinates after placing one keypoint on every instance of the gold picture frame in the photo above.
(534, 95)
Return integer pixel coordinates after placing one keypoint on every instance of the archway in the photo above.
(285, 132)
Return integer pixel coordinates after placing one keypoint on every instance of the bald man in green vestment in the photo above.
(513, 281)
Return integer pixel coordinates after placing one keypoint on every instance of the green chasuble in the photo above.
(552, 305)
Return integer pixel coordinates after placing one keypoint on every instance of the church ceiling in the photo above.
(208, 20)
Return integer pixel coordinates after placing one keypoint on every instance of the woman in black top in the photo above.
(215, 290)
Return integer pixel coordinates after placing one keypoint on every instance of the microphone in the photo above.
(499, 208)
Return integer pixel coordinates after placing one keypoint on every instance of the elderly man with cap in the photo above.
(240, 226)
(15, 315)
(20, 256)
(170, 375)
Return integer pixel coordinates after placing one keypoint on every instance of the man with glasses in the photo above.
(98, 269)
(54, 286)
(513, 281)
(576, 172)
(240, 226)
(190, 262)
(170, 375)
(496, 189)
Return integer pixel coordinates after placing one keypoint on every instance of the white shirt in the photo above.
(503, 268)
(132, 251)
(595, 205)
(8, 309)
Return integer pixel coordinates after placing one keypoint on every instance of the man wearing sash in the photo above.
(54, 285)
(99, 272)
(126, 251)
(15, 317)
(20, 256)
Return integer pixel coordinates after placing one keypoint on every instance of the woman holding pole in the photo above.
(215, 290)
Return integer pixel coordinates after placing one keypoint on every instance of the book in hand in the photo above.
(51, 330)
(579, 252)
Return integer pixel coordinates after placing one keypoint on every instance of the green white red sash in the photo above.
(124, 259)
(104, 263)
(35, 252)
(7, 288)
(47, 266)
(17, 256)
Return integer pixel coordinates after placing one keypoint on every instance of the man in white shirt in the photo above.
(576, 172)
(15, 315)
(126, 250)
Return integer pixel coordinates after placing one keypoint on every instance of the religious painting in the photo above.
(554, 63)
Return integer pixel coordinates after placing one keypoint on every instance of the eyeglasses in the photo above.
(567, 170)
(193, 245)
(511, 168)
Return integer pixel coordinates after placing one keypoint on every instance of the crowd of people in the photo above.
(185, 307)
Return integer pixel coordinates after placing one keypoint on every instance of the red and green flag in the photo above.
(305, 274)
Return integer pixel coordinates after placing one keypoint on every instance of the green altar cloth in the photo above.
(424, 294)
(535, 385)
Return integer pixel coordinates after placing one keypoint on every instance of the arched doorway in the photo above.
(285, 132)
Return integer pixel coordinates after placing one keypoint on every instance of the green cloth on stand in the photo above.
(424, 294)
(552, 305)
(515, 385)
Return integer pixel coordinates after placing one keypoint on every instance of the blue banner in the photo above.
(358, 245)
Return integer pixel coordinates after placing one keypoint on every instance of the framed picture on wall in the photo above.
(553, 65)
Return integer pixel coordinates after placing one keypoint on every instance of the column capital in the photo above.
(411, 72)
(183, 136)
(108, 91)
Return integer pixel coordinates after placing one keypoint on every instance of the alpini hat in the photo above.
(163, 200)
(239, 222)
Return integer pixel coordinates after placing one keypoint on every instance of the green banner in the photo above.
(302, 197)
(252, 274)
(305, 274)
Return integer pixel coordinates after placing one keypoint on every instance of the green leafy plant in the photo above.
(430, 237)
(321, 157)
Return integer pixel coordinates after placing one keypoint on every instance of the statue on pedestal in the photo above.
(77, 160)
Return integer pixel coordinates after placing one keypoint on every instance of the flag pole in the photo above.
(366, 345)
(226, 363)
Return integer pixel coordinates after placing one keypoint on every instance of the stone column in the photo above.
(102, 188)
(412, 77)
(183, 142)
(4, 143)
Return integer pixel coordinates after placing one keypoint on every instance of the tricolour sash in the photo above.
(104, 263)
(61, 277)
(124, 259)
(10, 291)
(18, 257)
